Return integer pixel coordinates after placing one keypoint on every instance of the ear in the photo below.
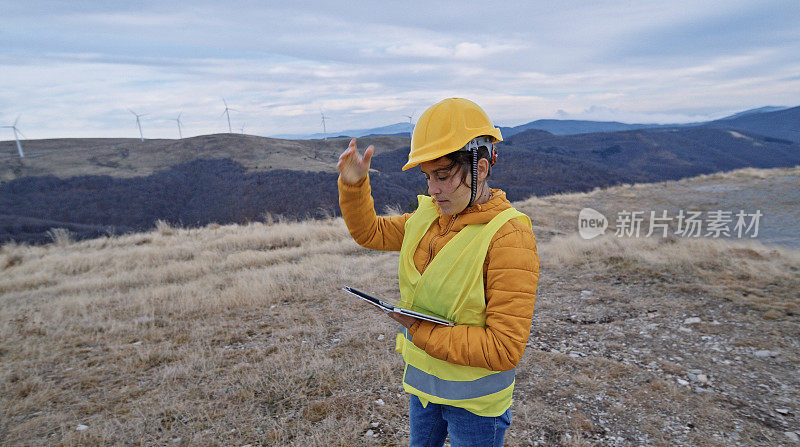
(483, 169)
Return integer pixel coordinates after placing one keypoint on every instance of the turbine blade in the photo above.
(16, 120)
(20, 132)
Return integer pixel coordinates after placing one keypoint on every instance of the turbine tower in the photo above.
(16, 137)
(324, 128)
(411, 122)
(227, 112)
(178, 119)
(138, 123)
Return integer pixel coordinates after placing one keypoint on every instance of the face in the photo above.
(445, 185)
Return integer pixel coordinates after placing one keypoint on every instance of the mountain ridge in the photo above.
(554, 126)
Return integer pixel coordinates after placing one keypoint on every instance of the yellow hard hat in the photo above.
(446, 127)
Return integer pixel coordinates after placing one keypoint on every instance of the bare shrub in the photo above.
(61, 237)
(164, 228)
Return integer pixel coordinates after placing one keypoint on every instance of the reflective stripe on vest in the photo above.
(454, 390)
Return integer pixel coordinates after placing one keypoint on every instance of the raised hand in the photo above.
(352, 166)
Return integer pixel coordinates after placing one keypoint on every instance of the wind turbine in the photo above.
(14, 127)
(138, 122)
(226, 112)
(324, 128)
(178, 119)
(411, 122)
(243, 128)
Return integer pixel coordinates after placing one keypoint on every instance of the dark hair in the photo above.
(463, 159)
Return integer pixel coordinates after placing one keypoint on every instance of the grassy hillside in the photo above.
(238, 334)
(129, 157)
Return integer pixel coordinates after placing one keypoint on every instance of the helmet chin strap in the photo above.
(474, 186)
(472, 146)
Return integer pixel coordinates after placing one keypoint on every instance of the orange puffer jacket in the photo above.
(510, 275)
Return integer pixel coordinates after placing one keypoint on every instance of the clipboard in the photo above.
(386, 307)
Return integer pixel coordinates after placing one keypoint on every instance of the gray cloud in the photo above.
(76, 67)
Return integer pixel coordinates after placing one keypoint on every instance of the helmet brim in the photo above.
(495, 135)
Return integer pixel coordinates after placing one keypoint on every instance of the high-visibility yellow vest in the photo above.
(451, 287)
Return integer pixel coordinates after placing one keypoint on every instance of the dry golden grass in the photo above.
(191, 334)
(746, 272)
(233, 335)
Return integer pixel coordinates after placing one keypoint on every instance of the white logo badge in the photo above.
(591, 223)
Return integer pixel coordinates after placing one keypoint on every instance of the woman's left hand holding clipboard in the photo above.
(405, 320)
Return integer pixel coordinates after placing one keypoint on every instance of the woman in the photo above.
(465, 255)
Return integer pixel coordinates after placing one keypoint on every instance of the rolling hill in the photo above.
(391, 129)
(129, 157)
(780, 124)
(663, 154)
(743, 120)
(98, 186)
(560, 126)
(570, 127)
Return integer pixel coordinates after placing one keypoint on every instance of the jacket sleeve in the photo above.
(511, 279)
(366, 228)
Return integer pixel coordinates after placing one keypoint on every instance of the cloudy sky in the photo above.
(74, 68)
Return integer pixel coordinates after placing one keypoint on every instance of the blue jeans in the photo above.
(431, 425)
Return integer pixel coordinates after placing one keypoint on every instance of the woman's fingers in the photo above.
(368, 156)
(352, 166)
(347, 155)
(350, 151)
(351, 155)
